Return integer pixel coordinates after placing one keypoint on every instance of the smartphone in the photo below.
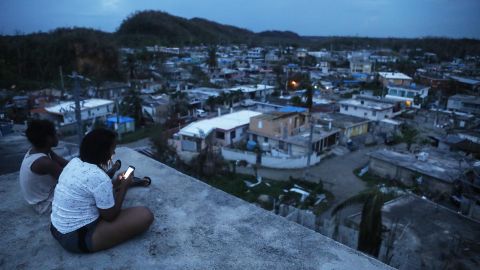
(129, 171)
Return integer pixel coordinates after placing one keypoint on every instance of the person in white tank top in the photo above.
(40, 167)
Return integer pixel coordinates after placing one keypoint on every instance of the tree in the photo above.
(297, 101)
(132, 106)
(409, 135)
(370, 232)
(164, 152)
(309, 97)
(212, 58)
(179, 103)
(211, 102)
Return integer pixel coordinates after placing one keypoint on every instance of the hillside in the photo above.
(155, 27)
(31, 61)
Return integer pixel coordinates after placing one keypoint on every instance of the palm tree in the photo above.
(370, 233)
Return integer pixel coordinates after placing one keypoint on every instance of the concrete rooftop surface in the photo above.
(196, 227)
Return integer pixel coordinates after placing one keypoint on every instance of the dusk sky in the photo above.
(373, 18)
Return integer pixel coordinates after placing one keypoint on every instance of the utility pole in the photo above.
(62, 85)
(286, 82)
(118, 120)
(310, 138)
(78, 116)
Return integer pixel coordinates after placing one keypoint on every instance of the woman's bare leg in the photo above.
(130, 222)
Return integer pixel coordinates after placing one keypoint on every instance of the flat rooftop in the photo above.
(371, 105)
(340, 120)
(196, 227)
(229, 121)
(465, 98)
(428, 233)
(394, 75)
(251, 88)
(69, 106)
(440, 165)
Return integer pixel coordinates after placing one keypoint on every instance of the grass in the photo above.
(374, 181)
(234, 184)
(140, 133)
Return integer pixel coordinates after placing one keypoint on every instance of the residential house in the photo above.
(464, 103)
(465, 84)
(411, 96)
(431, 170)
(63, 114)
(369, 108)
(156, 107)
(360, 66)
(350, 126)
(219, 131)
(110, 90)
(434, 81)
(288, 133)
(253, 91)
(394, 78)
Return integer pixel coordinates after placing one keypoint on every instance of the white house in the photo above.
(394, 78)
(219, 131)
(64, 113)
(360, 66)
(369, 109)
(412, 95)
(253, 91)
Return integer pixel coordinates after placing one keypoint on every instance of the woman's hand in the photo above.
(125, 182)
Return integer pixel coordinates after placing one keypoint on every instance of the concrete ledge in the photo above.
(196, 227)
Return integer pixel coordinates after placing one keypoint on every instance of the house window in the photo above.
(345, 107)
(233, 134)
(374, 113)
(265, 140)
(260, 124)
(220, 135)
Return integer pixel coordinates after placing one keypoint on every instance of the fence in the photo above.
(269, 161)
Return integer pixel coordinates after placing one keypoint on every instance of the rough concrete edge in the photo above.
(272, 215)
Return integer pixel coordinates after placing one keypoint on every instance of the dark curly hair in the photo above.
(38, 131)
(96, 145)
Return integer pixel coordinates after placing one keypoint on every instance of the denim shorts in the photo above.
(78, 241)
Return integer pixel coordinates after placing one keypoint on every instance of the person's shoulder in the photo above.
(42, 165)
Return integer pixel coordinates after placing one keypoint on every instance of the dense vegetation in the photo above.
(30, 61)
(33, 60)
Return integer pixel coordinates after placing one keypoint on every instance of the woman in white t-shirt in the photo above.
(87, 214)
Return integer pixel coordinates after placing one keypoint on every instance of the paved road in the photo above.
(336, 173)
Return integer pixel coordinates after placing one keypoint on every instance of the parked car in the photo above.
(200, 113)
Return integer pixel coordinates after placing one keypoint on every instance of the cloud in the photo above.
(110, 4)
